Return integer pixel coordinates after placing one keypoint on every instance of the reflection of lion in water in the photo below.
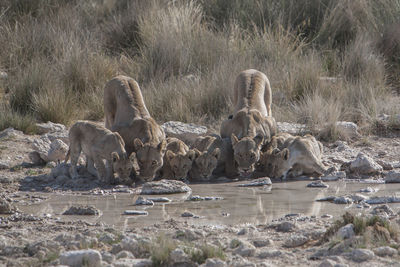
(251, 125)
(98, 143)
(126, 113)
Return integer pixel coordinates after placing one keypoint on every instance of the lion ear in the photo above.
(191, 154)
(138, 144)
(258, 140)
(216, 153)
(170, 155)
(275, 151)
(132, 157)
(234, 139)
(285, 154)
(114, 156)
(162, 146)
(197, 153)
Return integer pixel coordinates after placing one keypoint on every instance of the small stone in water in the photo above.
(135, 212)
(159, 199)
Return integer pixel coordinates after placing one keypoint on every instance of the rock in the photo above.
(124, 254)
(90, 257)
(199, 198)
(392, 177)
(179, 256)
(35, 158)
(42, 147)
(214, 262)
(188, 235)
(327, 263)
(58, 151)
(257, 182)
(342, 200)
(295, 241)
(263, 254)
(327, 216)
(159, 199)
(383, 210)
(363, 164)
(187, 214)
(261, 242)
(385, 251)
(107, 257)
(245, 249)
(49, 127)
(133, 263)
(3, 75)
(81, 210)
(318, 184)
(63, 136)
(360, 255)
(383, 200)
(186, 132)
(387, 166)
(292, 128)
(143, 201)
(4, 165)
(368, 190)
(135, 212)
(6, 207)
(286, 227)
(358, 197)
(10, 133)
(347, 130)
(334, 176)
(61, 169)
(165, 187)
(346, 231)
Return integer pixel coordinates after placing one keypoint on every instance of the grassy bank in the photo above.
(186, 55)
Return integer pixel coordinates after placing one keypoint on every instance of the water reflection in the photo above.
(245, 205)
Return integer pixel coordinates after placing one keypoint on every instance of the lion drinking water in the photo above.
(126, 113)
(98, 144)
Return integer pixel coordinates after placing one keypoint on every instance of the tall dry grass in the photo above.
(186, 55)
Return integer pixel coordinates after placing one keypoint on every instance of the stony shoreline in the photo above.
(46, 239)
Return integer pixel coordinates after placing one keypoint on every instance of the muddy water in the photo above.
(239, 204)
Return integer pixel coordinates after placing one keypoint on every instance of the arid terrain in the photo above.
(267, 225)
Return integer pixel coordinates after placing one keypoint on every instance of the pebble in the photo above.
(318, 184)
(92, 258)
(257, 182)
(360, 255)
(143, 201)
(295, 241)
(159, 199)
(135, 212)
(385, 251)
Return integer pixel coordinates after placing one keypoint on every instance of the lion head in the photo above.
(149, 158)
(246, 153)
(123, 165)
(204, 164)
(179, 164)
(274, 163)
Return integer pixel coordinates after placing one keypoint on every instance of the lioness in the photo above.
(126, 113)
(98, 143)
(177, 160)
(300, 155)
(251, 125)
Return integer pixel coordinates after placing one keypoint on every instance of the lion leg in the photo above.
(90, 167)
(101, 169)
(75, 151)
(109, 172)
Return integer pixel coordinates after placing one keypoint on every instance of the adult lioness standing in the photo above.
(126, 113)
(252, 124)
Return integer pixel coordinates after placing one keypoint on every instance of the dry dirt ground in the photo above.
(43, 239)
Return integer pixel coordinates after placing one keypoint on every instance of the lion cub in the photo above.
(98, 144)
(300, 155)
(177, 160)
